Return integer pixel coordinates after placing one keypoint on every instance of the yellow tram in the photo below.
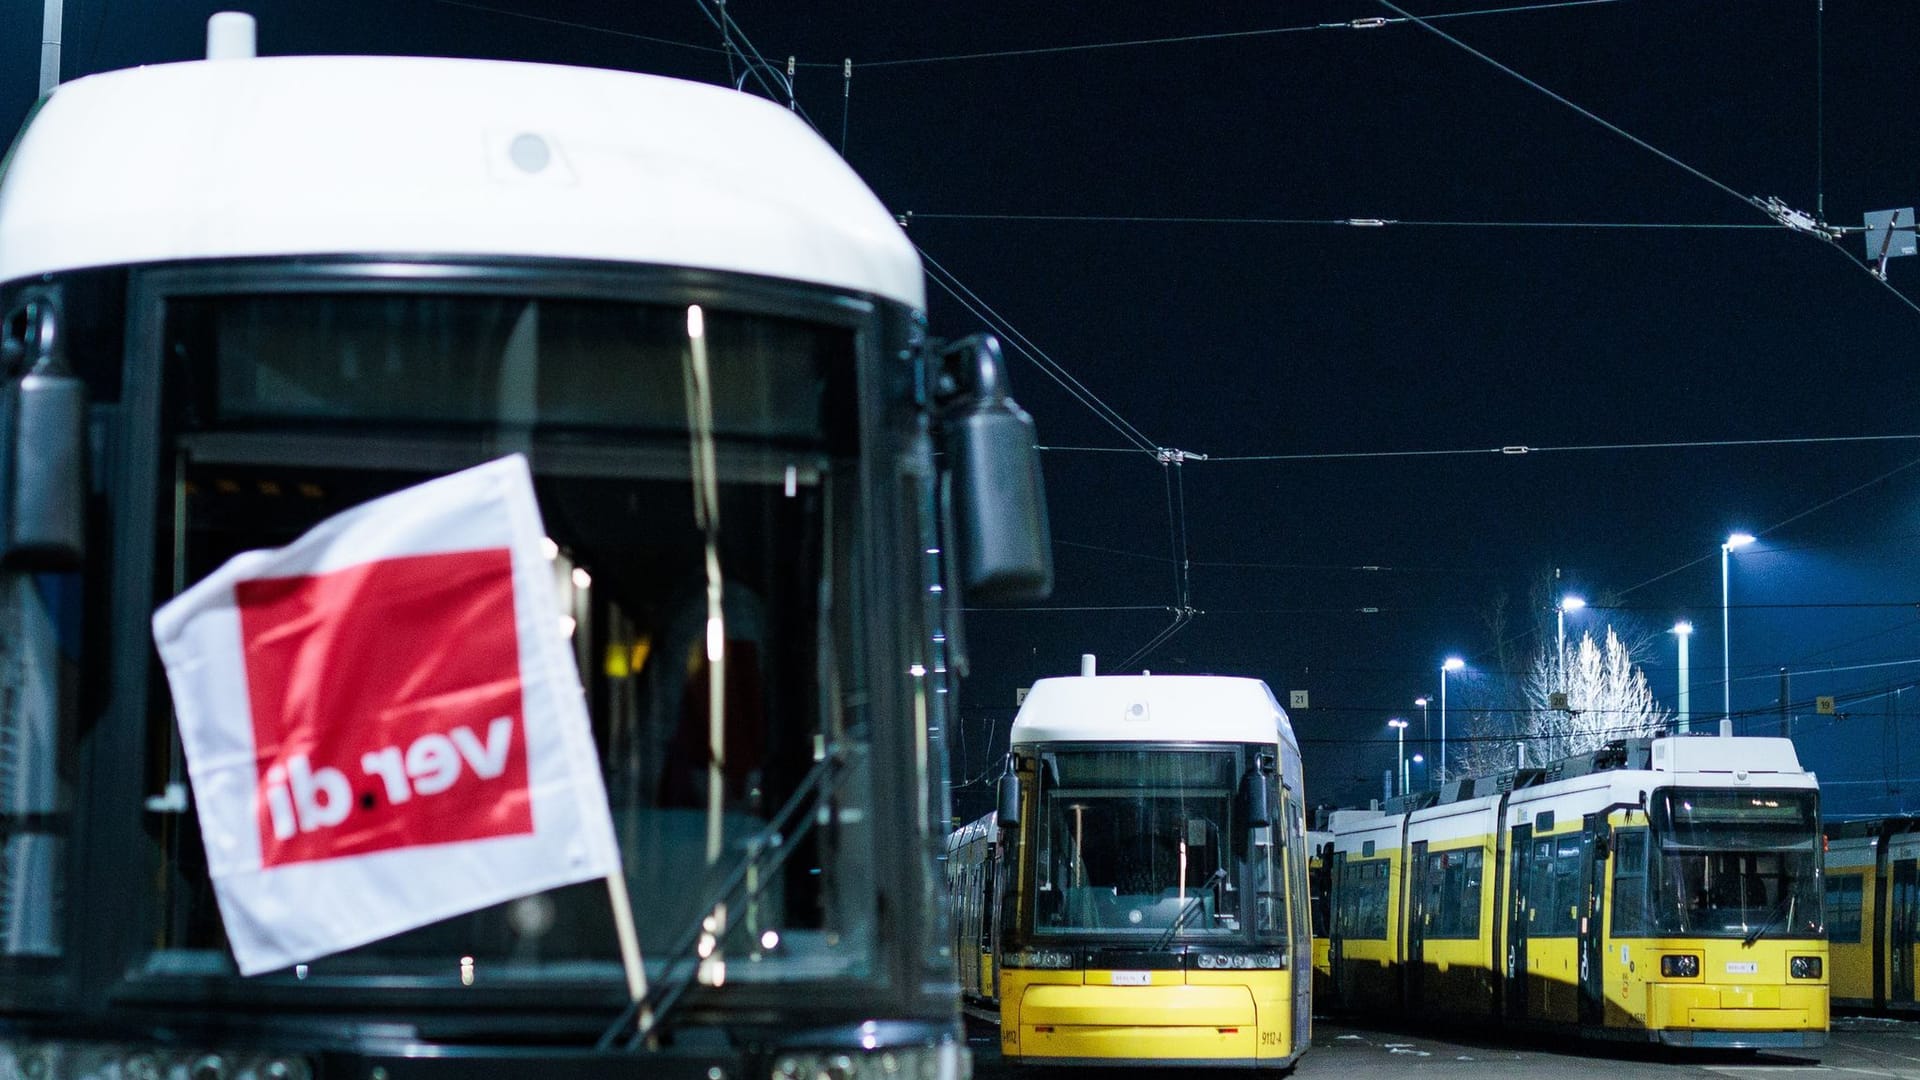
(1873, 912)
(1666, 890)
(1140, 896)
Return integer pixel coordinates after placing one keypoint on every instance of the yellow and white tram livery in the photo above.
(1666, 890)
(1873, 912)
(1140, 896)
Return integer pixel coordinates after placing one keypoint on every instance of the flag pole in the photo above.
(629, 946)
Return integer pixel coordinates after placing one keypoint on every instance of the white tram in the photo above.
(242, 294)
(1140, 896)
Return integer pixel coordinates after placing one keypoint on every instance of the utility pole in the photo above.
(50, 46)
(1786, 710)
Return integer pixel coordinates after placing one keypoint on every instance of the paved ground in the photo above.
(1858, 1048)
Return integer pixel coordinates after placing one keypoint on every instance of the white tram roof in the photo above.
(1151, 708)
(405, 156)
(1729, 763)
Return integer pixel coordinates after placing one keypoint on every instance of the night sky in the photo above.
(1249, 336)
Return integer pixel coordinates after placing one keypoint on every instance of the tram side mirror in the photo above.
(1256, 799)
(1010, 800)
(43, 430)
(1005, 553)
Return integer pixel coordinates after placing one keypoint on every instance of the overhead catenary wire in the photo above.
(1024, 346)
(1776, 526)
(1346, 222)
(1227, 35)
(576, 25)
(1772, 207)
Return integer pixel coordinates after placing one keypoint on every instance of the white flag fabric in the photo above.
(383, 722)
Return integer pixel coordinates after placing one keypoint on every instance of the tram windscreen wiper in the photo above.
(1779, 910)
(1190, 908)
(775, 842)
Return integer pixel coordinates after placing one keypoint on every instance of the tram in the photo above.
(1665, 890)
(1139, 898)
(1873, 913)
(242, 294)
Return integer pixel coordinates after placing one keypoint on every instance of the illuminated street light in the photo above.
(1567, 605)
(1683, 632)
(1453, 663)
(1735, 542)
(1426, 729)
(1399, 727)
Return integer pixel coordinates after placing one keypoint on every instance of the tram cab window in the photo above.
(1728, 863)
(1630, 882)
(1137, 840)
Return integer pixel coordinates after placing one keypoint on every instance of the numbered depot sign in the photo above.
(383, 723)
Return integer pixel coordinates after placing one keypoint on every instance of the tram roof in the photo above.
(1697, 759)
(1151, 708)
(411, 157)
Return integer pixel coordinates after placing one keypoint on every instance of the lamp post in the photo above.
(1399, 727)
(1734, 542)
(1426, 729)
(1682, 632)
(1420, 760)
(1453, 663)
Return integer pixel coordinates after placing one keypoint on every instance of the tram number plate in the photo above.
(1742, 967)
(1133, 978)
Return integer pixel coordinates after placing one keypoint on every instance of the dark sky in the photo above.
(1252, 338)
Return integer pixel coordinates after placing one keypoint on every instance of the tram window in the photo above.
(1555, 886)
(1843, 909)
(1453, 894)
(1630, 882)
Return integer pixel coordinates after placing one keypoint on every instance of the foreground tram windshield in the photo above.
(1143, 845)
(286, 408)
(1730, 863)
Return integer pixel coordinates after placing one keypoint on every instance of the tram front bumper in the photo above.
(1738, 1016)
(1158, 1025)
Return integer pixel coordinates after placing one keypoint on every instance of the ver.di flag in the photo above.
(383, 723)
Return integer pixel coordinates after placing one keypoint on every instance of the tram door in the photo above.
(1593, 867)
(1516, 995)
(1417, 914)
(1906, 901)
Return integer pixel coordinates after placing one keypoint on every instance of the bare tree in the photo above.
(1606, 698)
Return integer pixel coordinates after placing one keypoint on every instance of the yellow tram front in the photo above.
(1716, 933)
(1158, 912)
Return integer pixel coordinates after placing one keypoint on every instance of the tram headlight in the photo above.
(1805, 967)
(947, 1061)
(1056, 959)
(1261, 961)
(1679, 966)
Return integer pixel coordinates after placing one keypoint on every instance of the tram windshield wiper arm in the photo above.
(1779, 911)
(1190, 908)
(779, 839)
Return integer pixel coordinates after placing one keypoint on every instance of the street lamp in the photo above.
(1426, 729)
(1568, 604)
(1736, 541)
(1399, 727)
(1453, 663)
(1682, 632)
(1420, 760)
